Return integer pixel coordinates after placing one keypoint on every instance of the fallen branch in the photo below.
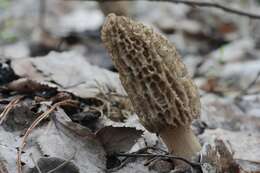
(202, 4)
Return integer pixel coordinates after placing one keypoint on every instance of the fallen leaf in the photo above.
(47, 164)
(68, 71)
(118, 139)
(65, 139)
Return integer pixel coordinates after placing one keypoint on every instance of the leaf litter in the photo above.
(221, 52)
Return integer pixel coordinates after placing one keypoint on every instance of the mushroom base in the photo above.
(181, 141)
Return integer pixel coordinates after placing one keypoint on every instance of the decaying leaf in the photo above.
(56, 165)
(65, 71)
(118, 139)
(19, 117)
(224, 113)
(64, 139)
(8, 144)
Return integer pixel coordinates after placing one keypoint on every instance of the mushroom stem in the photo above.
(180, 141)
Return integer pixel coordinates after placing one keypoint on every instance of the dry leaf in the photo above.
(118, 139)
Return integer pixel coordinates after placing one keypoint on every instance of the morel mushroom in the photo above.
(157, 82)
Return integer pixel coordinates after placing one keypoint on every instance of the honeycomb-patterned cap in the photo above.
(152, 74)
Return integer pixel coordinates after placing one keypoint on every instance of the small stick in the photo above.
(141, 150)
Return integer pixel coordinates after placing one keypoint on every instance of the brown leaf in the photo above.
(118, 139)
(66, 139)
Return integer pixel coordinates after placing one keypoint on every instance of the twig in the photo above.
(141, 150)
(33, 125)
(192, 164)
(9, 107)
(203, 4)
(153, 159)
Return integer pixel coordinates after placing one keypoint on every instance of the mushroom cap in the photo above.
(152, 73)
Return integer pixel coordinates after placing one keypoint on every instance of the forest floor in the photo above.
(55, 69)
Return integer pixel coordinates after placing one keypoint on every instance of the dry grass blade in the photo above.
(9, 107)
(33, 125)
